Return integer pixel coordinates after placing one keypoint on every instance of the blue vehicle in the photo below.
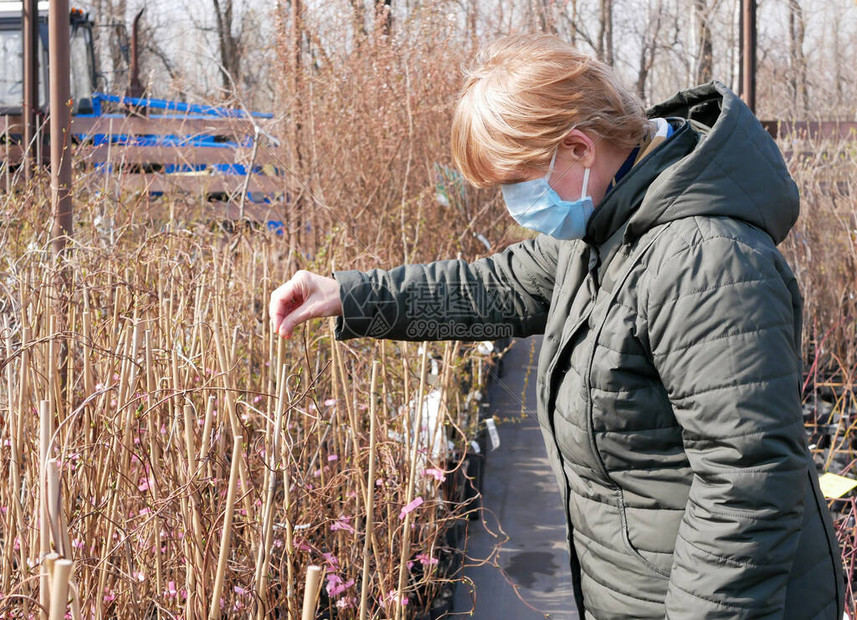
(150, 145)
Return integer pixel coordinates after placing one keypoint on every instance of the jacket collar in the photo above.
(625, 198)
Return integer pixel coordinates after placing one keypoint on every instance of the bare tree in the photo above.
(704, 64)
(573, 22)
(229, 44)
(797, 76)
(605, 34)
(649, 44)
(384, 16)
(543, 11)
(111, 41)
(472, 18)
(577, 32)
(359, 8)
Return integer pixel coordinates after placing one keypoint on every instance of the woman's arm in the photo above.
(505, 294)
(723, 315)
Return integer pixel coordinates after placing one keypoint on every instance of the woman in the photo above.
(669, 376)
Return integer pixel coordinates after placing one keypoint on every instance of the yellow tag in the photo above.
(834, 487)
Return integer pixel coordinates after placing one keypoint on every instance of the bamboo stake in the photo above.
(105, 474)
(352, 422)
(193, 504)
(75, 601)
(204, 461)
(23, 386)
(57, 523)
(88, 383)
(45, 434)
(286, 458)
(16, 510)
(59, 589)
(272, 371)
(230, 409)
(127, 383)
(268, 512)
(290, 546)
(52, 388)
(69, 355)
(214, 609)
(406, 528)
(154, 454)
(17, 442)
(117, 292)
(50, 561)
(313, 583)
(124, 346)
(370, 492)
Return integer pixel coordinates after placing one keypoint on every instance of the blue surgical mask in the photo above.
(536, 205)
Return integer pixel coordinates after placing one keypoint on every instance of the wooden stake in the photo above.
(59, 589)
(206, 436)
(214, 610)
(268, 512)
(53, 375)
(45, 433)
(15, 508)
(228, 396)
(370, 492)
(88, 383)
(313, 583)
(193, 501)
(54, 509)
(406, 526)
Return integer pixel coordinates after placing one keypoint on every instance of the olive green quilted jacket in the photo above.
(669, 375)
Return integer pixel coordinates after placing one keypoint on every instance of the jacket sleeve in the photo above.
(507, 294)
(723, 317)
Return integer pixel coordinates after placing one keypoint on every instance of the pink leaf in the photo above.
(438, 474)
(342, 523)
(411, 507)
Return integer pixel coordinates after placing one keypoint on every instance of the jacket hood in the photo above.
(719, 162)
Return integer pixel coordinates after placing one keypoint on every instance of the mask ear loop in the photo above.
(585, 183)
(553, 161)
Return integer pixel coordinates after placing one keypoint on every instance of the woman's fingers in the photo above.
(305, 296)
(294, 318)
(285, 300)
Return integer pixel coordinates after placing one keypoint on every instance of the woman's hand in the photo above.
(306, 296)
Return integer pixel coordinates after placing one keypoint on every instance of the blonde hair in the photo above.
(524, 94)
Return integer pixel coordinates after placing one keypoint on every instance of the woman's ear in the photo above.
(580, 147)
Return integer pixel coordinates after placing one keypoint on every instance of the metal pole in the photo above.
(30, 27)
(59, 27)
(135, 88)
(748, 57)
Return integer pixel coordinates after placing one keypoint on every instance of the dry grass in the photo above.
(157, 360)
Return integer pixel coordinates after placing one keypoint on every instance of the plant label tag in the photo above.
(834, 487)
(475, 446)
(492, 433)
